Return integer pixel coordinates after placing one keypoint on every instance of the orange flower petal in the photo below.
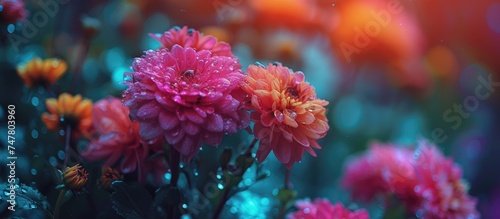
(51, 105)
(51, 121)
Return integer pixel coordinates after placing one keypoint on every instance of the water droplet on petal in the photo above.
(307, 210)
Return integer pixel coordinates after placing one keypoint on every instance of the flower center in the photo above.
(80, 174)
(292, 91)
(188, 74)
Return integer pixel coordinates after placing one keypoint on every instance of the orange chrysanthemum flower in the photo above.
(288, 116)
(68, 110)
(38, 72)
(75, 177)
(109, 175)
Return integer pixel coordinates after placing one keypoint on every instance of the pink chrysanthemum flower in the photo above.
(11, 11)
(118, 141)
(186, 96)
(186, 37)
(289, 118)
(384, 169)
(440, 186)
(323, 209)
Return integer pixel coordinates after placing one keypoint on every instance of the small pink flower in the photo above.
(119, 143)
(440, 186)
(323, 209)
(186, 37)
(384, 169)
(11, 11)
(186, 96)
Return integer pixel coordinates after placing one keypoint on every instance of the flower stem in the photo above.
(80, 59)
(67, 146)
(287, 179)
(286, 186)
(59, 203)
(227, 189)
(222, 203)
(175, 160)
(252, 145)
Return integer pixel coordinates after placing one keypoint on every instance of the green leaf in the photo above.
(130, 201)
(286, 195)
(244, 162)
(29, 202)
(166, 197)
(225, 158)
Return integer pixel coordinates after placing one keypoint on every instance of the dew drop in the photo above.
(34, 134)
(275, 192)
(248, 182)
(35, 101)
(264, 201)
(175, 133)
(168, 176)
(11, 28)
(61, 154)
(233, 210)
(419, 213)
(279, 116)
(53, 161)
(307, 210)
(33, 172)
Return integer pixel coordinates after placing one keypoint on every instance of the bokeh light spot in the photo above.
(118, 76)
(348, 114)
(34, 134)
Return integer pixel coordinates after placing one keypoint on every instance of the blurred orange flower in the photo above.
(75, 177)
(68, 110)
(288, 116)
(38, 72)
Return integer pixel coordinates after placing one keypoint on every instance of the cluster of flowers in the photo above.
(190, 92)
(322, 208)
(427, 183)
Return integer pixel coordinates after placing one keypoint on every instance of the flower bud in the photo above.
(109, 175)
(75, 177)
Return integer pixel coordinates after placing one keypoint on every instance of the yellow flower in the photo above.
(75, 177)
(70, 111)
(38, 72)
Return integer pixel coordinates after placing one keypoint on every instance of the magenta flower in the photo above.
(118, 142)
(440, 185)
(11, 11)
(186, 37)
(323, 209)
(384, 169)
(186, 96)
